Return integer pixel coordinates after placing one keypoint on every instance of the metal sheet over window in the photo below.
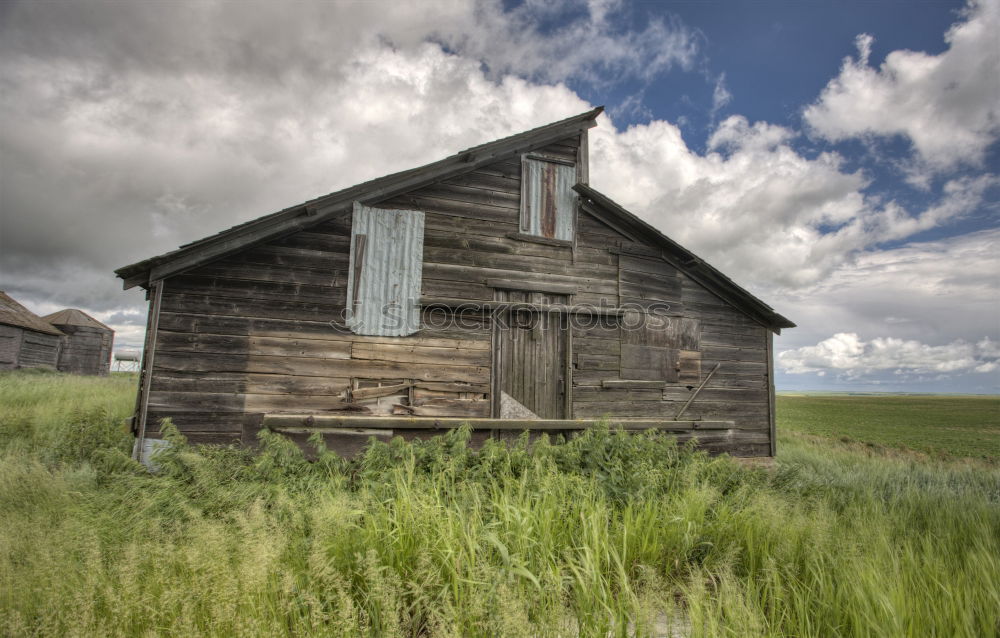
(384, 277)
(547, 199)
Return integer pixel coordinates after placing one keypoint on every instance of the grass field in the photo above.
(609, 534)
(939, 425)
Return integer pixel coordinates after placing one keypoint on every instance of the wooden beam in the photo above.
(488, 306)
(770, 394)
(535, 239)
(601, 216)
(512, 284)
(695, 395)
(149, 352)
(312, 422)
(632, 384)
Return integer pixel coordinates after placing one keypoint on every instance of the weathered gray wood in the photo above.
(689, 366)
(632, 383)
(271, 346)
(547, 241)
(311, 367)
(649, 363)
(598, 284)
(697, 391)
(709, 393)
(358, 394)
(149, 355)
(510, 284)
(772, 421)
(597, 362)
(548, 268)
(420, 354)
(583, 394)
(309, 422)
(256, 308)
(440, 407)
(532, 354)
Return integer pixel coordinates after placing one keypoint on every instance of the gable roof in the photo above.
(615, 216)
(317, 210)
(14, 314)
(74, 317)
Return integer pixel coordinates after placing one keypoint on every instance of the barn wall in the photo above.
(259, 331)
(21, 348)
(10, 346)
(701, 331)
(85, 350)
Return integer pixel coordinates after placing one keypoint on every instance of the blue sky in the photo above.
(839, 159)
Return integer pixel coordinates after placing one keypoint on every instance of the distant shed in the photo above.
(86, 346)
(26, 340)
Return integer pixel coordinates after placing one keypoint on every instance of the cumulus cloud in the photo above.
(948, 286)
(932, 292)
(946, 105)
(847, 352)
(755, 206)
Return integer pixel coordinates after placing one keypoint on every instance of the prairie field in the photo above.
(880, 518)
(943, 426)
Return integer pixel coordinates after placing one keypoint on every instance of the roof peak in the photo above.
(314, 211)
(73, 317)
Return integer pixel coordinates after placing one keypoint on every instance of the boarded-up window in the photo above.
(383, 285)
(548, 202)
(658, 348)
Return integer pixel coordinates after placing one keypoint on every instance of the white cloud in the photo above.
(847, 352)
(933, 292)
(587, 46)
(946, 105)
(756, 207)
(720, 95)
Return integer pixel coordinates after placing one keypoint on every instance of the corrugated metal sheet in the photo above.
(384, 279)
(547, 200)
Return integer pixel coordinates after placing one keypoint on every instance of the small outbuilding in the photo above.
(493, 288)
(26, 340)
(86, 344)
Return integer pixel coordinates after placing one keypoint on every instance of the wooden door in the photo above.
(532, 350)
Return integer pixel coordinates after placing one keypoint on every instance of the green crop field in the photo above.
(939, 425)
(609, 534)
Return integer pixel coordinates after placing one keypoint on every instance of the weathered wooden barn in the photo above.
(85, 347)
(26, 340)
(493, 287)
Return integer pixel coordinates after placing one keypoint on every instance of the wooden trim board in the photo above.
(295, 423)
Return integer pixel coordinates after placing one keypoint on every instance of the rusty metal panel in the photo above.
(384, 278)
(547, 198)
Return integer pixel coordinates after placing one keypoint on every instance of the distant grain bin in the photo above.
(86, 346)
(26, 340)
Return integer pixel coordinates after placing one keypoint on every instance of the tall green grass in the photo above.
(606, 534)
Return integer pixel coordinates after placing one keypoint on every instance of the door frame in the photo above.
(565, 324)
